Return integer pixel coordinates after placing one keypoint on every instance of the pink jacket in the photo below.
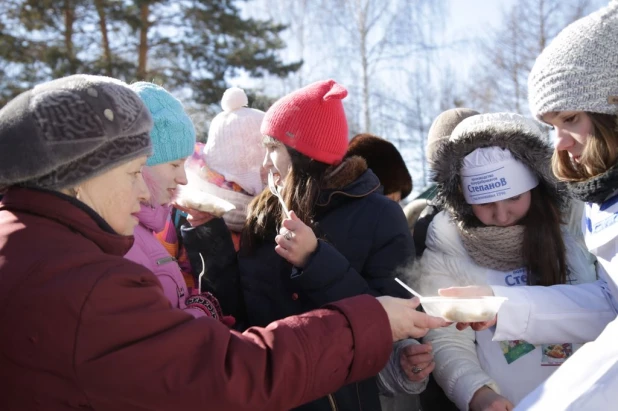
(150, 253)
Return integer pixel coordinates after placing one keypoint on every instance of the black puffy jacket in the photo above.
(364, 242)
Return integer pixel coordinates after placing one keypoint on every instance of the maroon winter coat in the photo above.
(82, 327)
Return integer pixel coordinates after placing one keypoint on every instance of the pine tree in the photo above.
(191, 45)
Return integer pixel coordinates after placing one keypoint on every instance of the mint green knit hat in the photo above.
(173, 134)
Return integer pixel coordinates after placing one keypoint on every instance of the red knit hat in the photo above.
(311, 120)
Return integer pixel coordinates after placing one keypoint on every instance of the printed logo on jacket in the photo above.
(516, 277)
(550, 354)
(599, 223)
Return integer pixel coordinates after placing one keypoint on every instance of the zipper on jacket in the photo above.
(165, 260)
(331, 401)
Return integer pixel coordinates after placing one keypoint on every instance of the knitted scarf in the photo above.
(596, 189)
(498, 248)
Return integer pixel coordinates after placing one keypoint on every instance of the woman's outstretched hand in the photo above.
(405, 321)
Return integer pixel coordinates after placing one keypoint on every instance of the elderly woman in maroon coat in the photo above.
(82, 327)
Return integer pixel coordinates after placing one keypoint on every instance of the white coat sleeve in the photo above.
(458, 370)
(576, 312)
(539, 315)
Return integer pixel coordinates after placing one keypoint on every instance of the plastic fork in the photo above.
(273, 189)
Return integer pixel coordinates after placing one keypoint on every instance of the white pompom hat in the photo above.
(234, 147)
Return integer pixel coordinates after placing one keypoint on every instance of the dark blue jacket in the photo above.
(364, 241)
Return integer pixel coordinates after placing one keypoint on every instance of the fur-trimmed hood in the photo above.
(350, 179)
(508, 131)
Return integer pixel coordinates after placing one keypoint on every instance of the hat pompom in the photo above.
(234, 98)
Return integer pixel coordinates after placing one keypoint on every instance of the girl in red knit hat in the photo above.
(341, 238)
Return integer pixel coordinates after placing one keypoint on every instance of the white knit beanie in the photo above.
(578, 71)
(234, 147)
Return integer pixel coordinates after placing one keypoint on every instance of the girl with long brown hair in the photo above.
(501, 225)
(342, 237)
(573, 87)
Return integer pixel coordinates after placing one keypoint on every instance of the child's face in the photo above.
(167, 177)
(504, 213)
(572, 130)
(278, 160)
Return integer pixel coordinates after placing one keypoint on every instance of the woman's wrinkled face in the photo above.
(165, 180)
(504, 213)
(277, 160)
(572, 129)
(116, 195)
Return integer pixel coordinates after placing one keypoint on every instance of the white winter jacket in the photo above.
(588, 380)
(467, 360)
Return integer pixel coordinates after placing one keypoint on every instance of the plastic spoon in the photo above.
(199, 278)
(273, 189)
(404, 285)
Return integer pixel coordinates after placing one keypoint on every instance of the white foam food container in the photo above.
(463, 310)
